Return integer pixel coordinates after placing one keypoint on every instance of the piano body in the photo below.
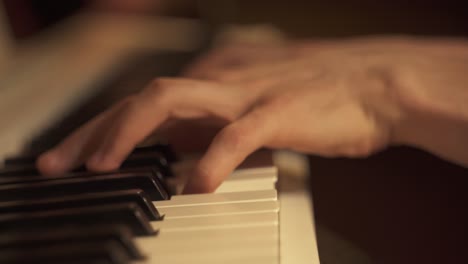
(261, 214)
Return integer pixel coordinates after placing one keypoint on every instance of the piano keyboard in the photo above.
(130, 216)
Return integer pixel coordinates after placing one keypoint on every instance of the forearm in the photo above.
(431, 87)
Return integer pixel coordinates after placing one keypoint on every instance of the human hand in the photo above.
(315, 98)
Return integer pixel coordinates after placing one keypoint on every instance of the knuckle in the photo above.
(280, 100)
(160, 89)
(130, 104)
(236, 137)
(162, 81)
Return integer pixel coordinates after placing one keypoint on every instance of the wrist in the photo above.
(381, 98)
(398, 99)
(409, 116)
(429, 92)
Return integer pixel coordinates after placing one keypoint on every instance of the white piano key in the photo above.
(249, 172)
(195, 236)
(258, 244)
(217, 255)
(251, 260)
(246, 260)
(220, 247)
(218, 209)
(218, 198)
(214, 260)
(251, 179)
(217, 222)
(254, 179)
(249, 182)
(165, 247)
(208, 239)
(243, 186)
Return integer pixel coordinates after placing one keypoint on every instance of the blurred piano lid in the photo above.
(43, 79)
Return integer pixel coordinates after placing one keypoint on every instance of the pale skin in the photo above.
(332, 98)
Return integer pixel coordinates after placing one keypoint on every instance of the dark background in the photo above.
(313, 18)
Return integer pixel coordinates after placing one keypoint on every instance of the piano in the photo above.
(261, 214)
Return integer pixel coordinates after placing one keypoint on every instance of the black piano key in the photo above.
(22, 178)
(160, 178)
(163, 148)
(83, 200)
(18, 170)
(161, 155)
(128, 214)
(57, 236)
(151, 185)
(25, 159)
(140, 160)
(108, 252)
(135, 161)
(147, 159)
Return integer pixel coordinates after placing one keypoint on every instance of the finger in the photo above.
(72, 151)
(229, 148)
(161, 101)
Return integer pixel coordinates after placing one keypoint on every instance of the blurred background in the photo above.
(61, 62)
(296, 18)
